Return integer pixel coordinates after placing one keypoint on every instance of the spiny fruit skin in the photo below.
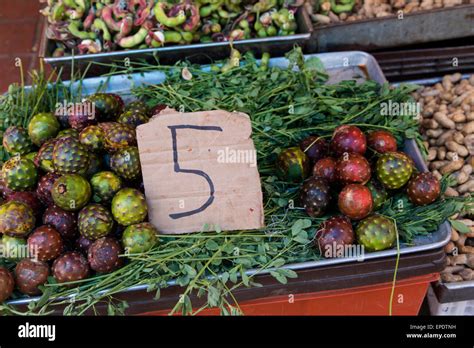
(379, 193)
(45, 243)
(44, 157)
(4, 190)
(95, 221)
(119, 136)
(157, 109)
(137, 105)
(13, 247)
(376, 232)
(82, 244)
(70, 156)
(70, 266)
(29, 274)
(126, 163)
(325, 168)
(95, 165)
(139, 238)
(65, 222)
(129, 207)
(352, 168)
(314, 147)
(16, 141)
(334, 232)
(104, 186)
(348, 138)
(381, 141)
(103, 255)
(19, 174)
(293, 165)
(82, 116)
(45, 185)
(423, 189)
(71, 192)
(27, 197)
(120, 102)
(105, 126)
(315, 196)
(16, 219)
(68, 132)
(93, 138)
(133, 118)
(6, 284)
(42, 127)
(394, 169)
(355, 201)
(107, 106)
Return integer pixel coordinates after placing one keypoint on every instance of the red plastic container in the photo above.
(358, 288)
(363, 300)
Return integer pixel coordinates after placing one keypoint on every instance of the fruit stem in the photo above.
(392, 293)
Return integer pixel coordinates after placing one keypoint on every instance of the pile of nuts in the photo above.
(323, 13)
(448, 131)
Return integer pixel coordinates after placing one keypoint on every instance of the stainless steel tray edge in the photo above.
(213, 50)
(376, 33)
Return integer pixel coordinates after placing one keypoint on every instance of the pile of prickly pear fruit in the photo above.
(72, 201)
(356, 173)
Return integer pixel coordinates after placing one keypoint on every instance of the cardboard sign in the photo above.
(200, 168)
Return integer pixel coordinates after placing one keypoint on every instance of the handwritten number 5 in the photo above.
(178, 169)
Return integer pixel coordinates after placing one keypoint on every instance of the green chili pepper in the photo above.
(206, 11)
(345, 7)
(99, 24)
(133, 40)
(264, 5)
(73, 28)
(172, 36)
(216, 28)
(244, 24)
(162, 18)
(57, 12)
(271, 30)
(262, 32)
(187, 36)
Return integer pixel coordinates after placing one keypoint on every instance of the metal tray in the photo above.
(200, 53)
(340, 66)
(409, 64)
(454, 292)
(330, 278)
(383, 32)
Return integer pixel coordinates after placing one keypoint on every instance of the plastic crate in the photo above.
(450, 308)
(365, 300)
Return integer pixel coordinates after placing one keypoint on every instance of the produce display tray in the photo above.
(310, 280)
(402, 65)
(340, 66)
(200, 53)
(383, 32)
(454, 292)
